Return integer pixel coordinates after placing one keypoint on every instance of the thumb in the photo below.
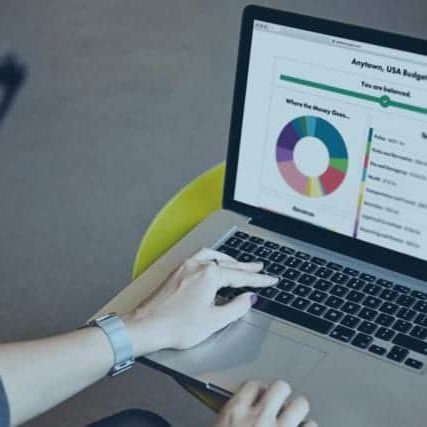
(235, 309)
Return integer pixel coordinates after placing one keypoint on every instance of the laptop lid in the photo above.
(328, 137)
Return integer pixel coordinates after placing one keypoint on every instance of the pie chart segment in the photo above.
(291, 174)
(324, 132)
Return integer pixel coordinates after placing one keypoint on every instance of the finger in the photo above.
(236, 279)
(252, 267)
(249, 393)
(274, 398)
(310, 423)
(234, 310)
(208, 254)
(294, 414)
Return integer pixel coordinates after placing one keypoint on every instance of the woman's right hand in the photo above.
(256, 405)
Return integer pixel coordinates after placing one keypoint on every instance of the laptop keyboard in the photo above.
(351, 306)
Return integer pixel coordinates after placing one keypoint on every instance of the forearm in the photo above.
(38, 375)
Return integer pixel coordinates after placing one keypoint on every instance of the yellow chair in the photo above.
(178, 217)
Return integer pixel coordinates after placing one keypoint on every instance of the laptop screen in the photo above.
(334, 133)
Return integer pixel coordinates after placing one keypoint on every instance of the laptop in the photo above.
(325, 183)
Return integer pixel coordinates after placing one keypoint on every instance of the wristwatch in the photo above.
(120, 341)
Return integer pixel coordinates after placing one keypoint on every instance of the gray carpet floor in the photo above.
(126, 101)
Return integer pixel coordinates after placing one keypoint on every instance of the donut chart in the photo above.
(324, 132)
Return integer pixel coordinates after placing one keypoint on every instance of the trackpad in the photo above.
(244, 351)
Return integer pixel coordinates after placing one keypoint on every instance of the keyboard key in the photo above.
(355, 296)
(372, 289)
(368, 313)
(419, 332)
(244, 257)
(225, 292)
(339, 290)
(307, 279)
(421, 306)
(384, 283)
(275, 269)
(308, 267)
(389, 308)
(301, 303)
(269, 292)
(421, 320)
(342, 333)
(277, 256)
(334, 302)
(229, 251)
(367, 277)
(322, 285)
(355, 284)
(411, 343)
(271, 245)
(362, 341)
(316, 309)
(290, 314)
(286, 285)
(397, 354)
(241, 235)
(412, 363)
(333, 315)
(302, 255)
(292, 262)
(385, 334)
(376, 349)
(319, 261)
(406, 314)
(339, 278)
(334, 266)
(402, 326)
(318, 296)
(419, 295)
(350, 308)
(233, 242)
(402, 289)
(384, 320)
(262, 252)
(405, 300)
(350, 321)
(323, 272)
(372, 302)
(286, 250)
(350, 271)
(389, 295)
(290, 273)
(302, 290)
(367, 327)
(284, 298)
(256, 240)
(248, 247)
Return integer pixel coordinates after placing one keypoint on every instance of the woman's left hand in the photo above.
(182, 311)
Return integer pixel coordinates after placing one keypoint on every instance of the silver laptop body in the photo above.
(312, 95)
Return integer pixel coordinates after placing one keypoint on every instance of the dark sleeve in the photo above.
(4, 408)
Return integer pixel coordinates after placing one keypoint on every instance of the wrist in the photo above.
(147, 334)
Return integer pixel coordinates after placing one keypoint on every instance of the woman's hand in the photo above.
(182, 312)
(256, 405)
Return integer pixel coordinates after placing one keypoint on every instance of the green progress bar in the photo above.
(384, 100)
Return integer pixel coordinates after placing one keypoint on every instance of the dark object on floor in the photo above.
(12, 75)
(132, 418)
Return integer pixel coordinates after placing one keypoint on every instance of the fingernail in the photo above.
(254, 299)
(273, 280)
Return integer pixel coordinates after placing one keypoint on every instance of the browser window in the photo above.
(334, 133)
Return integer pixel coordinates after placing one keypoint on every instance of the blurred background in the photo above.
(124, 103)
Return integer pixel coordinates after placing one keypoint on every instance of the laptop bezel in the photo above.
(364, 251)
